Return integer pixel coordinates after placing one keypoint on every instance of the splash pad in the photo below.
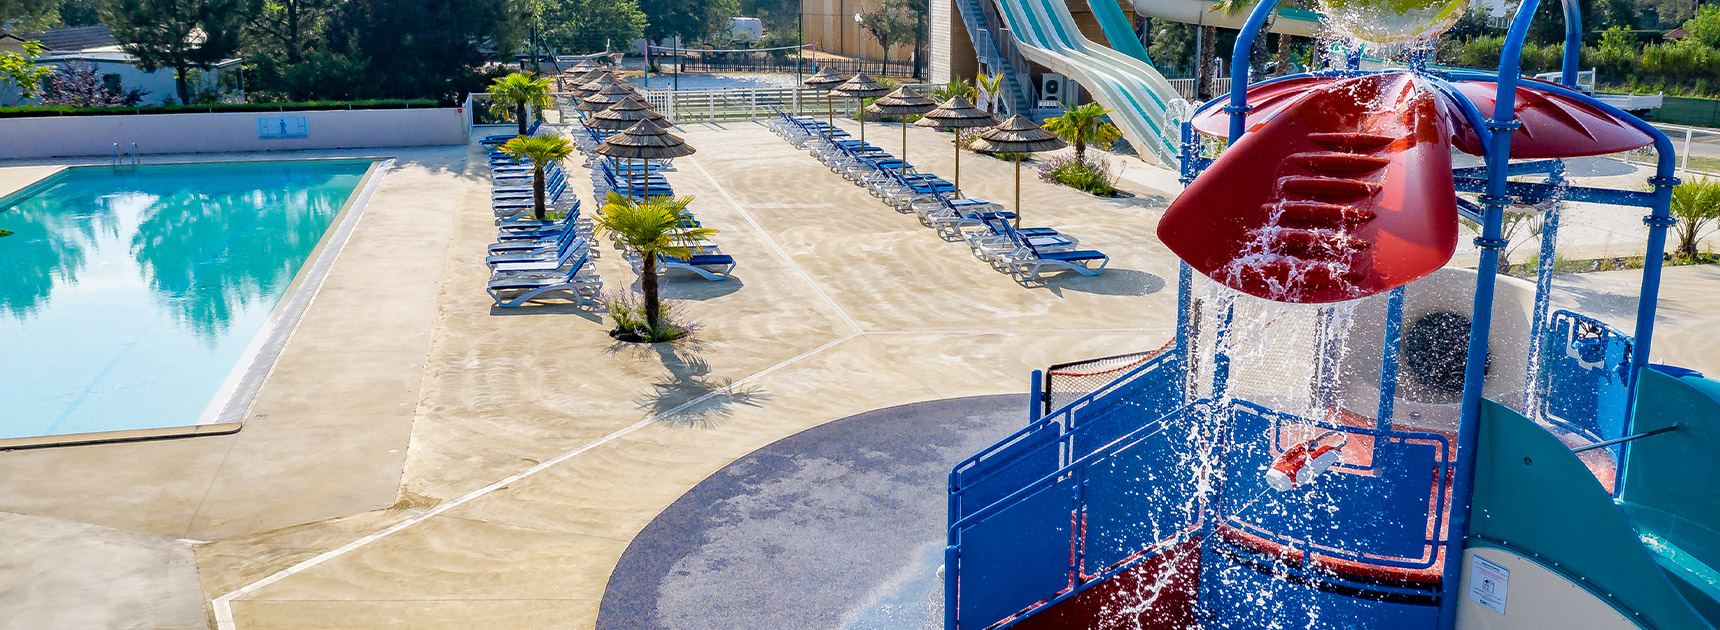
(1346, 433)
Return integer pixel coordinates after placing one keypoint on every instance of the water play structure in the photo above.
(1346, 432)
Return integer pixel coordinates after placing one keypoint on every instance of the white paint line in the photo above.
(1009, 331)
(853, 327)
(223, 605)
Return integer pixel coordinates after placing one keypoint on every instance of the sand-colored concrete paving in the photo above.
(422, 459)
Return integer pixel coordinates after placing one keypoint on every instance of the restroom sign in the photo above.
(273, 127)
(1488, 583)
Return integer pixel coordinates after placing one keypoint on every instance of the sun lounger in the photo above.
(513, 290)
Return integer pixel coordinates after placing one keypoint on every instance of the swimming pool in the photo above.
(129, 298)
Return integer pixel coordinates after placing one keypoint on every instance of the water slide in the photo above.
(1143, 104)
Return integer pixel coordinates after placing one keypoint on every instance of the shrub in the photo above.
(627, 309)
(1091, 175)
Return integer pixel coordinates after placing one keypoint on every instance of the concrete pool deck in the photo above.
(463, 466)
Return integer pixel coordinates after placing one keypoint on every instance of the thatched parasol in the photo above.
(823, 81)
(624, 114)
(958, 114)
(862, 87)
(1017, 135)
(643, 141)
(903, 102)
(602, 79)
(609, 95)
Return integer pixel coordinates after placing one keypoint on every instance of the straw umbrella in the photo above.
(643, 141)
(862, 87)
(958, 114)
(823, 81)
(1018, 135)
(609, 95)
(624, 114)
(903, 102)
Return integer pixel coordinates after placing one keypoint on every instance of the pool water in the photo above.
(129, 296)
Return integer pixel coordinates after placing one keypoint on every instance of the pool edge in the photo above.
(227, 408)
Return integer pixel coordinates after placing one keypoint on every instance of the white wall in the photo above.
(210, 133)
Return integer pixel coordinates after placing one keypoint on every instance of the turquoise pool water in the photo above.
(128, 297)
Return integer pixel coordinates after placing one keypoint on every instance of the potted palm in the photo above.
(653, 227)
(542, 151)
(1697, 204)
(516, 92)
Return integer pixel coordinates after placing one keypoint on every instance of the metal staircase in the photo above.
(997, 54)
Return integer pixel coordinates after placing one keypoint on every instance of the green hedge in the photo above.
(46, 111)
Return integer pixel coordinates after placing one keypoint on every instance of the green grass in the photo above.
(1562, 265)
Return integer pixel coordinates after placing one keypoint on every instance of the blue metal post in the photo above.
(1573, 43)
(951, 555)
(1036, 398)
(1389, 359)
(1533, 392)
(1502, 126)
(1185, 322)
(1238, 107)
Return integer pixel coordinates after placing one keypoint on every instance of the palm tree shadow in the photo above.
(688, 396)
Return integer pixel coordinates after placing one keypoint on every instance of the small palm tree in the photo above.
(1084, 125)
(542, 151)
(654, 227)
(1696, 203)
(514, 93)
(992, 87)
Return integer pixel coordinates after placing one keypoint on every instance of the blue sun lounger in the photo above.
(503, 138)
(709, 266)
(1028, 266)
(510, 290)
(539, 255)
(541, 243)
(579, 247)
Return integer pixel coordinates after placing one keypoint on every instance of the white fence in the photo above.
(1186, 87)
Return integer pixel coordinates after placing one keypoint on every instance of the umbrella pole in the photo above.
(629, 177)
(1018, 191)
(861, 103)
(904, 146)
(830, 115)
(958, 162)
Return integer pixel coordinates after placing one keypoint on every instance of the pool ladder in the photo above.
(116, 163)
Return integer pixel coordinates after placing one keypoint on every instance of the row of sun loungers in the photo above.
(640, 181)
(1025, 254)
(531, 257)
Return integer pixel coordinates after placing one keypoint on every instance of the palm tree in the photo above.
(654, 227)
(1209, 48)
(992, 87)
(1083, 125)
(516, 92)
(1697, 204)
(542, 151)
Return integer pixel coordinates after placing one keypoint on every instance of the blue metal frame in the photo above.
(1073, 444)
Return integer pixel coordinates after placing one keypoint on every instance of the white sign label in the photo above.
(1488, 583)
(270, 127)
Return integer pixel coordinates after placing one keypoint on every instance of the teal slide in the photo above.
(1143, 104)
(1117, 29)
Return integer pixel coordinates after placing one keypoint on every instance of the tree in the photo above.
(79, 85)
(184, 35)
(1084, 125)
(424, 48)
(693, 20)
(21, 71)
(1170, 44)
(520, 93)
(289, 28)
(1705, 27)
(1696, 203)
(542, 151)
(893, 23)
(654, 227)
(583, 26)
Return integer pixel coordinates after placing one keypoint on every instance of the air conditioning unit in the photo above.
(1053, 90)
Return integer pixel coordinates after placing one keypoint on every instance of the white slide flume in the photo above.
(1143, 104)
